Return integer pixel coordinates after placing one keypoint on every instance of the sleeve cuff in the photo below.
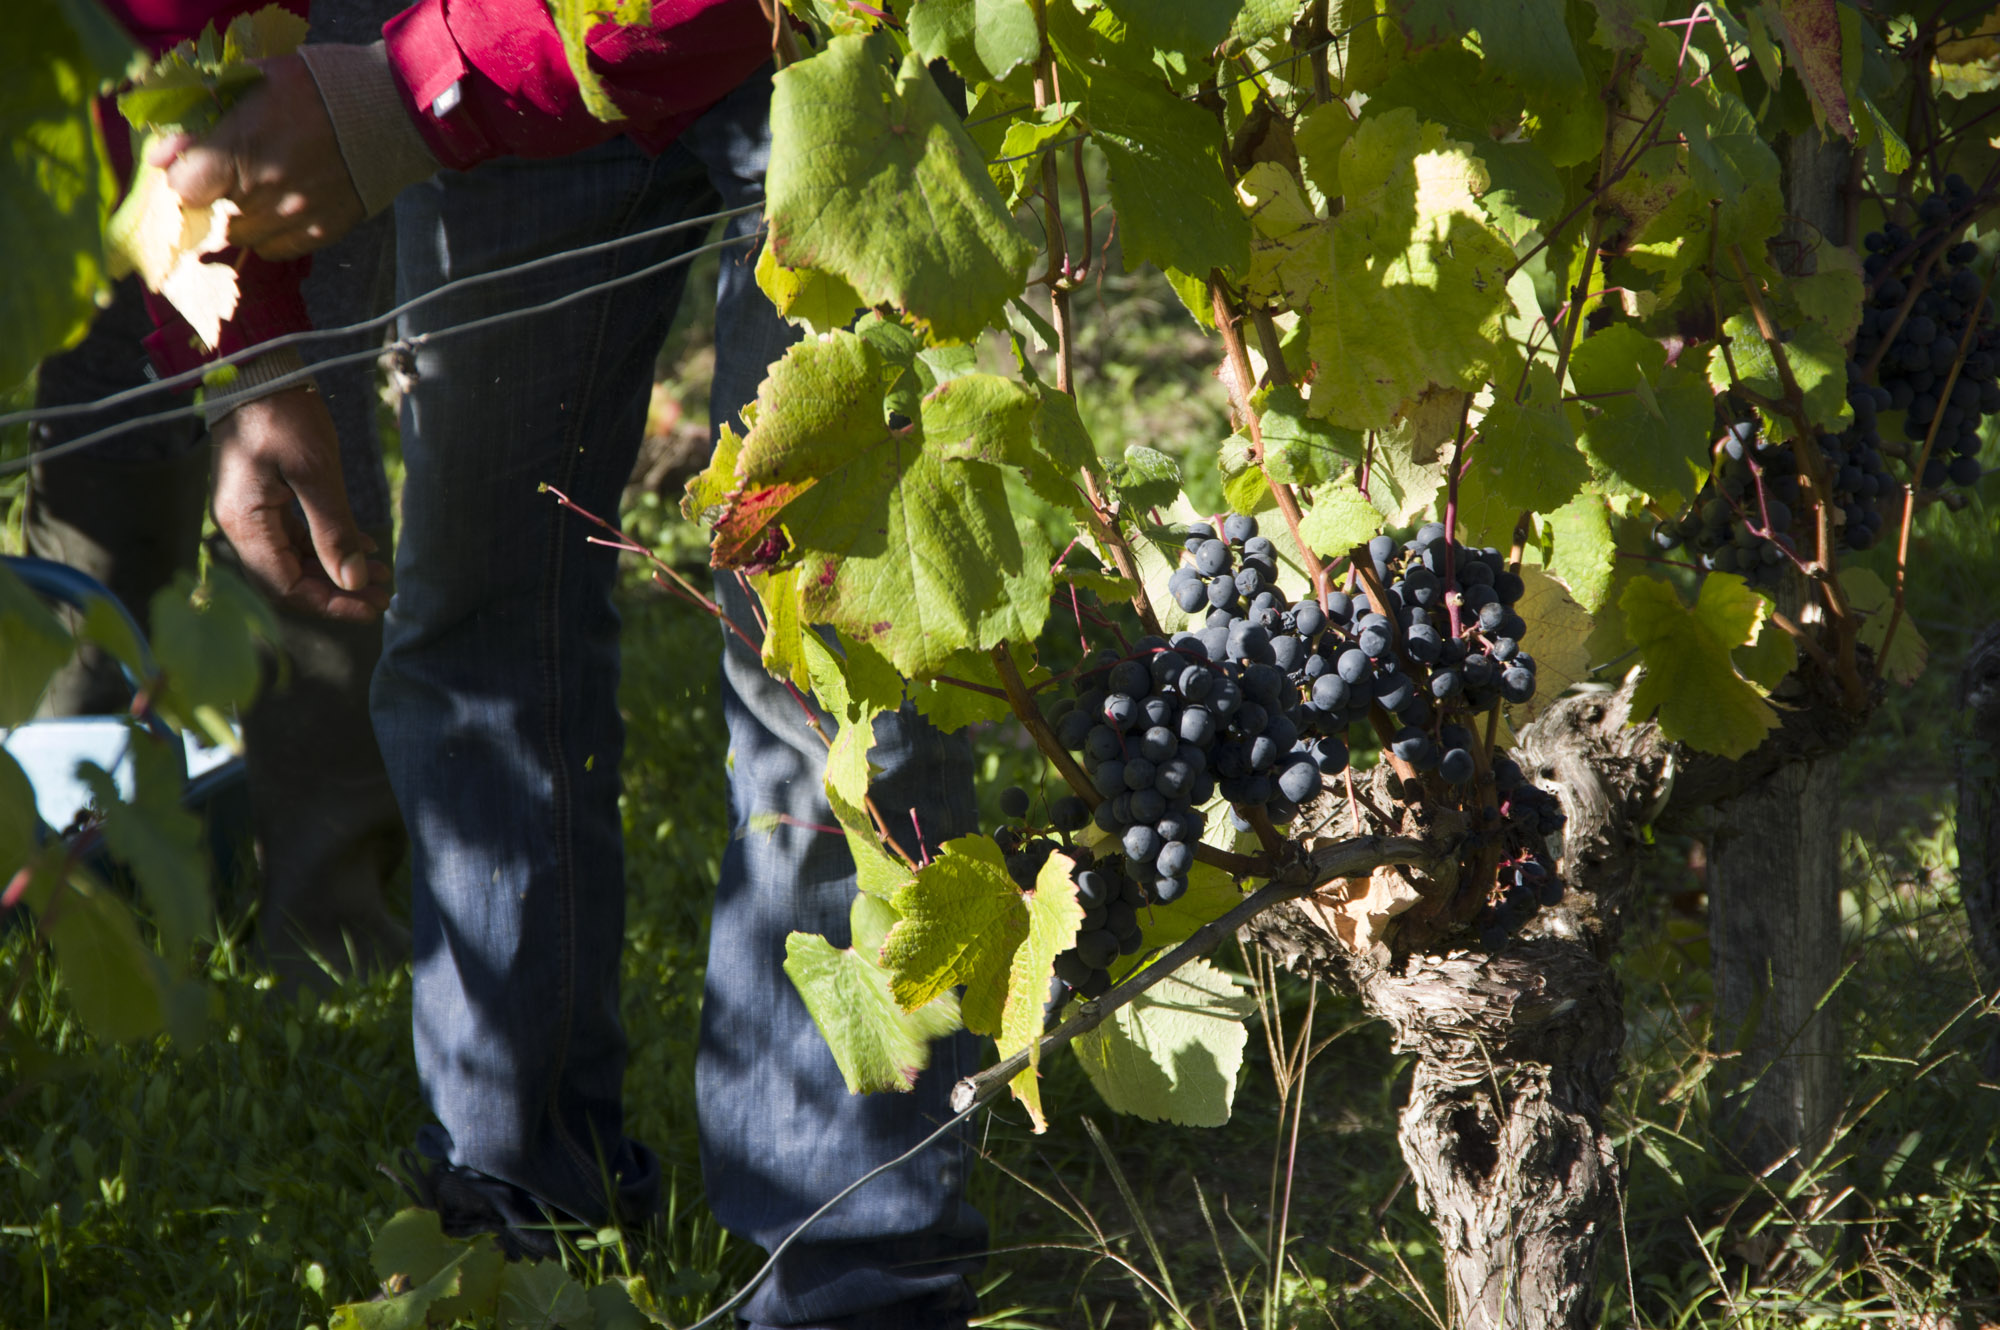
(382, 148)
(255, 378)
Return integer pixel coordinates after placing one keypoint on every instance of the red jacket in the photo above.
(515, 96)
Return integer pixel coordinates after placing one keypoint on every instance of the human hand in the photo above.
(271, 452)
(276, 157)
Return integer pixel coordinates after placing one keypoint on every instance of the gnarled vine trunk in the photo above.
(1504, 1130)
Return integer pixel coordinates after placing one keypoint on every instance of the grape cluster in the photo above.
(1918, 358)
(1741, 521)
(1256, 706)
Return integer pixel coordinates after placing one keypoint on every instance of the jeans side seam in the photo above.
(561, 793)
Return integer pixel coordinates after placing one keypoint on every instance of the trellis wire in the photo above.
(370, 353)
(192, 376)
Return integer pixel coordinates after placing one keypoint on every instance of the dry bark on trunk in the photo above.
(1504, 1132)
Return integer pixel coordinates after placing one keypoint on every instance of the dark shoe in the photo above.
(470, 1203)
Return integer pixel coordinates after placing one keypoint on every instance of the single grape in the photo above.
(1014, 801)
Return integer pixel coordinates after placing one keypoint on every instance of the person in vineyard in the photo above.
(495, 701)
(129, 512)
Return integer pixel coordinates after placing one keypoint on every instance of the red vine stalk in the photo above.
(1917, 466)
(681, 586)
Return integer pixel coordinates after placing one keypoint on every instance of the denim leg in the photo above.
(779, 1132)
(496, 700)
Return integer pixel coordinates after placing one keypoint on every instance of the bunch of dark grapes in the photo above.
(1741, 522)
(1256, 705)
(1110, 899)
(1918, 359)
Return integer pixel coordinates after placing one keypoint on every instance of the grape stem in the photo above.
(1229, 322)
(1349, 858)
(1923, 456)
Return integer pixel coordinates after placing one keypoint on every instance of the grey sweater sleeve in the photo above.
(382, 149)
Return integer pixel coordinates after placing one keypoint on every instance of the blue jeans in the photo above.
(496, 708)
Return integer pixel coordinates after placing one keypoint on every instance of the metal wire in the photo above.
(188, 377)
(411, 343)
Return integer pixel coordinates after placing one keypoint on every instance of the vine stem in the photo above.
(1348, 858)
(1037, 726)
(1825, 572)
(1917, 468)
(1229, 322)
(1103, 520)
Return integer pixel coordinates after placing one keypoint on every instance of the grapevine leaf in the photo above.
(1060, 432)
(1690, 680)
(1054, 915)
(985, 40)
(539, 1295)
(963, 918)
(1456, 89)
(1261, 20)
(871, 680)
(115, 980)
(1302, 450)
(409, 1310)
(412, 1245)
(1338, 520)
(1175, 208)
(876, 1044)
(1211, 893)
(983, 418)
(1872, 127)
(710, 488)
(1818, 364)
(819, 300)
(1766, 661)
(1584, 549)
(1193, 26)
(1017, 168)
(157, 839)
(819, 409)
(167, 243)
(574, 21)
(847, 769)
(1625, 25)
(1146, 478)
(1172, 1054)
(1871, 597)
(1399, 486)
(1287, 238)
(1320, 136)
(1832, 296)
(1813, 45)
(950, 707)
(1654, 438)
(1729, 164)
(206, 641)
(1527, 41)
(783, 653)
(1525, 460)
(902, 545)
(1560, 630)
(1413, 289)
(873, 180)
(33, 646)
(18, 818)
(918, 556)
